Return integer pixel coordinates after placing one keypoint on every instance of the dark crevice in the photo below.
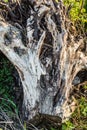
(56, 19)
(81, 76)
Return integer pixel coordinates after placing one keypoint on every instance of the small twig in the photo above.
(48, 45)
(33, 126)
(6, 122)
(40, 43)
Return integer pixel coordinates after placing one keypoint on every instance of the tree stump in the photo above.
(47, 55)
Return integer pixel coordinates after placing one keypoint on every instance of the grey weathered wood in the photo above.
(47, 80)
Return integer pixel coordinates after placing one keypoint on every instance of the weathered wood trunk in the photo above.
(50, 60)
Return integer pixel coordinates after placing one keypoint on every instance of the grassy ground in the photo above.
(78, 120)
(9, 119)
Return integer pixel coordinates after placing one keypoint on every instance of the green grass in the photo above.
(77, 11)
(78, 120)
(8, 109)
(6, 86)
(5, 0)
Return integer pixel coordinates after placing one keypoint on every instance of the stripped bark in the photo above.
(49, 62)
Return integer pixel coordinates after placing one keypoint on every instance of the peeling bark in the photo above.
(49, 62)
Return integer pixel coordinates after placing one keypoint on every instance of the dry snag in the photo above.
(48, 62)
